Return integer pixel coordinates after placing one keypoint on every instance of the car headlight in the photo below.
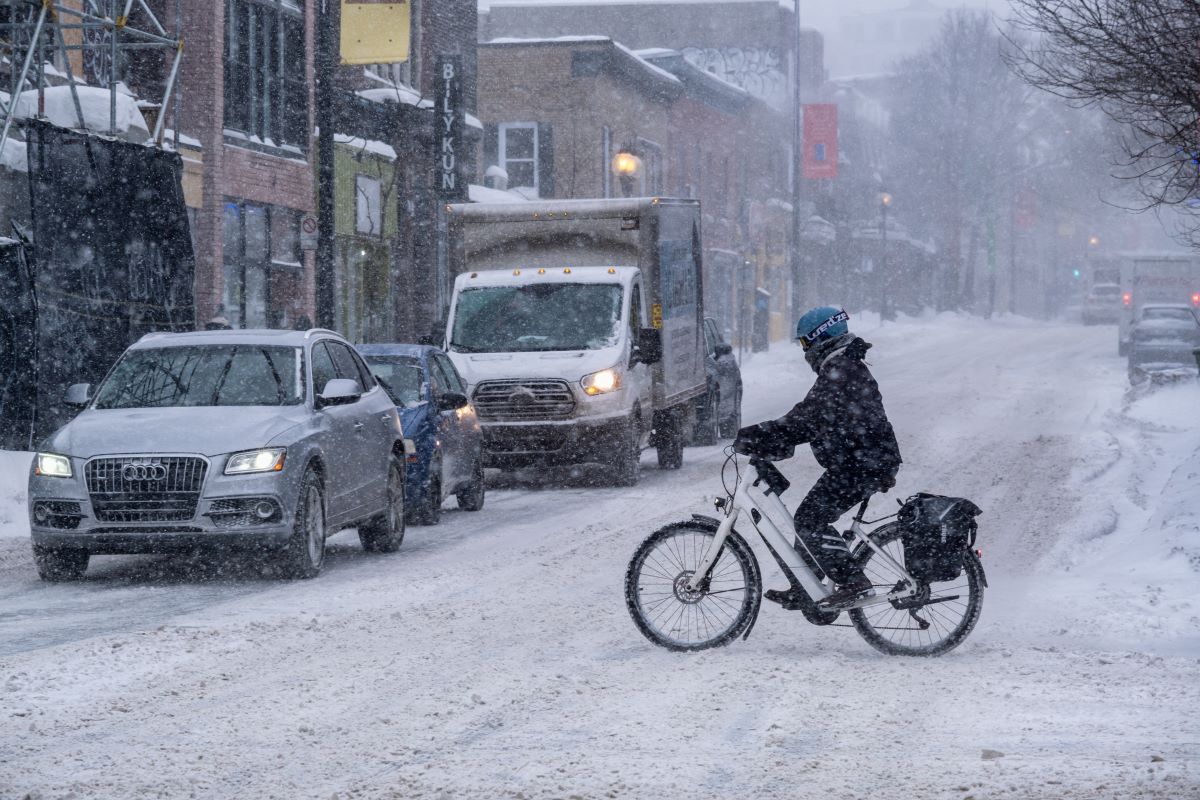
(52, 465)
(267, 460)
(602, 382)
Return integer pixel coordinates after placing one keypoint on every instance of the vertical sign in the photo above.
(820, 140)
(451, 182)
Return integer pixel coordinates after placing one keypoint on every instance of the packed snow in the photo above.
(493, 655)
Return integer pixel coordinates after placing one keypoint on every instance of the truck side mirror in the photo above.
(78, 395)
(649, 346)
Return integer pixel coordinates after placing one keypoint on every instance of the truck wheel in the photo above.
(670, 443)
(60, 565)
(626, 465)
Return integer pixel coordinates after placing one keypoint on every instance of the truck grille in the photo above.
(518, 401)
(145, 488)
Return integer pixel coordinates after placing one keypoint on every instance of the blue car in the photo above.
(439, 419)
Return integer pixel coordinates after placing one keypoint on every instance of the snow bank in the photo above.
(14, 480)
(369, 145)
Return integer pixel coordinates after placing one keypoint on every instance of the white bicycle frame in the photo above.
(774, 524)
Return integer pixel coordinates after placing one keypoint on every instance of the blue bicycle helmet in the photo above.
(821, 323)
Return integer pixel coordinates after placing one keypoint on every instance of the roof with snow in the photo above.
(624, 60)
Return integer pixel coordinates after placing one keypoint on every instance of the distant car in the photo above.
(441, 423)
(719, 409)
(271, 440)
(1102, 306)
(1161, 343)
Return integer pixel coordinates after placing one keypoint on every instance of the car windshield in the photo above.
(401, 376)
(1181, 314)
(547, 316)
(208, 375)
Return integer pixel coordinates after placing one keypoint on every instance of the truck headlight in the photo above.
(52, 465)
(602, 382)
(267, 460)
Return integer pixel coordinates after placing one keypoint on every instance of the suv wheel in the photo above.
(385, 533)
(60, 565)
(304, 554)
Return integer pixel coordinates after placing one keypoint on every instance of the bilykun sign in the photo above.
(451, 182)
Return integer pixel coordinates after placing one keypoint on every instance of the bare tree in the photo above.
(1139, 61)
(959, 117)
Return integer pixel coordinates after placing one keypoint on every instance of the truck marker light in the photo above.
(612, 270)
(1196, 299)
(516, 272)
(541, 271)
(1126, 298)
(566, 270)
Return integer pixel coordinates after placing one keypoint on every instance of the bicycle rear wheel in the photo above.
(938, 620)
(721, 609)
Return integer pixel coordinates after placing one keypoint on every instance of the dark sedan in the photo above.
(441, 423)
(719, 409)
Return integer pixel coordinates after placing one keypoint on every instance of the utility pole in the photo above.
(885, 312)
(797, 166)
(324, 116)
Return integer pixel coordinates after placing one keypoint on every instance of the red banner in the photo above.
(820, 141)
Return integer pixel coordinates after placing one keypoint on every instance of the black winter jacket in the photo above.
(841, 417)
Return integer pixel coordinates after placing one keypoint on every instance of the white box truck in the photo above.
(578, 326)
(1155, 279)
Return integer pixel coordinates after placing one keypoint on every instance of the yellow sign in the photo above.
(375, 33)
(656, 315)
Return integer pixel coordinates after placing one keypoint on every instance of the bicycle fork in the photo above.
(700, 576)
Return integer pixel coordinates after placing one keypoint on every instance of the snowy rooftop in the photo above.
(654, 71)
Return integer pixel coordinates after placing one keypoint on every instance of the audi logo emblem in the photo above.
(144, 472)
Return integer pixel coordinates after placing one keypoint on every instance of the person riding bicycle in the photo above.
(843, 420)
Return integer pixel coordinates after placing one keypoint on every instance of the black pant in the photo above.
(834, 493)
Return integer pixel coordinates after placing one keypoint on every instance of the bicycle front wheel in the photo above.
(936, 621)
(721, 608)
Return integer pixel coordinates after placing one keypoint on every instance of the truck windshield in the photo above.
(211, 375)
(547, 316)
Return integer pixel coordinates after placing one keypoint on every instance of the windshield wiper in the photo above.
(465, 348)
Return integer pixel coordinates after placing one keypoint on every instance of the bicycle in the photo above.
(696, 584)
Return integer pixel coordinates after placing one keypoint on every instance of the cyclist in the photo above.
(843, 420)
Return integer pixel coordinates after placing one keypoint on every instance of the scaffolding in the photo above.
(38, 39)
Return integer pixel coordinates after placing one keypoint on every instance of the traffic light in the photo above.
(1075, 273)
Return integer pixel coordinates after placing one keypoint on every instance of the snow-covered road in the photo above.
(493, 656)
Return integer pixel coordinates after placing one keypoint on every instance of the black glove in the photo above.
(748, 440)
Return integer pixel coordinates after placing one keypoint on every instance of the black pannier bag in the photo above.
(935, 531)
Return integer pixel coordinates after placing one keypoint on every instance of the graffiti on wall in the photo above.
(761, 71)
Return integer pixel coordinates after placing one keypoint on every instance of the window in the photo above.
(367, 210)
(518, 153)
(607, 157)
(257, 240)
(266, 91)
(447, 375)
(652, 166)
(343, 361)
(322, 368)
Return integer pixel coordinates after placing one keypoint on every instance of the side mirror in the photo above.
(339, 392)
(724, 349)
(452, 401)
(649, 346)
(78, 394)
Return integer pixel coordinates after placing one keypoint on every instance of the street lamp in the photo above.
(626, 166)
(885, 202)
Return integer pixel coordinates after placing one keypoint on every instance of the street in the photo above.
(493, 655)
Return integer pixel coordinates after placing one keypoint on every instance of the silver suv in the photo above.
(270, 440)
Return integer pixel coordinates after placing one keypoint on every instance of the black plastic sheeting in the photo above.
(112, 256)
(18, 348)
